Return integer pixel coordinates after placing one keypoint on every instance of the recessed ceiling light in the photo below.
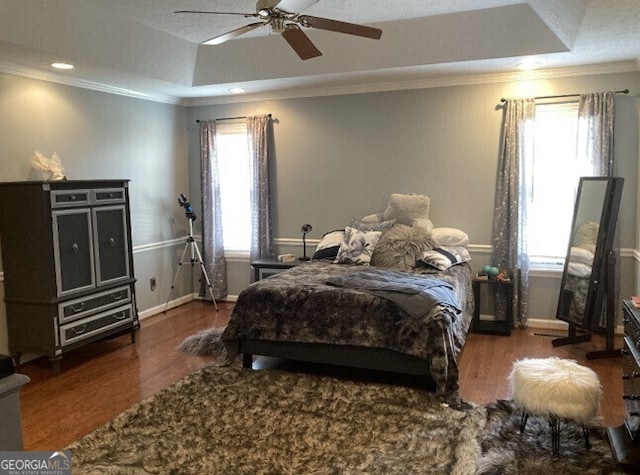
(528, 64)
(62, 65)
(237, 90)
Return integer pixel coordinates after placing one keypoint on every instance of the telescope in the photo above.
(182, 201)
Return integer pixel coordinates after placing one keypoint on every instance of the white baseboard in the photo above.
(175, 303)
(161, 308)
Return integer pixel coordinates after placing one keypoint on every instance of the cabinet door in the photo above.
(73, 251)
(111, 244)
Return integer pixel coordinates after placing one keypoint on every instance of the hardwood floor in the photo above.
(102, 380)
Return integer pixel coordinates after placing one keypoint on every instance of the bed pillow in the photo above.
(401, 246)
(587, 236)
(364, 226)
(409, 209)
(329, 244)
(442, 257)
(357, 246)
(582, 255)
(579, 269)
(450, 237)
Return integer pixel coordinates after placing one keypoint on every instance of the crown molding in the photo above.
(425, 83)
(91, 85)
(384, 86)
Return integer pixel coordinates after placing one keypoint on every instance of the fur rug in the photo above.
(206, 343)
(235, 421)
(506, 451)
(232, 420)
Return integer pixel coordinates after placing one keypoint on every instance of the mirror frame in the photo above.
(598, 287)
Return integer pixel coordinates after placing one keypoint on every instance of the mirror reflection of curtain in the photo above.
(259, 134)
(212, 242)
(513, 194)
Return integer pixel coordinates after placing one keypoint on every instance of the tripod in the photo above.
(196, 257)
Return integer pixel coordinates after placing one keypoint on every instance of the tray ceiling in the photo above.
(141, 47)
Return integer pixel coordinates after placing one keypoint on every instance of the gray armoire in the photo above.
(67, 264)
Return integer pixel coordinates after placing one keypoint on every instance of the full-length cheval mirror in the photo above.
(588, 280)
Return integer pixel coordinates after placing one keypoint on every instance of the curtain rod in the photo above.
(624, 91)
(231, 118)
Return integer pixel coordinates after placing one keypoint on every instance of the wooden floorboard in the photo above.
(101, 380)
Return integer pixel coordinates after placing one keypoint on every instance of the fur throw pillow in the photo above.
(409, 209)
(401, 246)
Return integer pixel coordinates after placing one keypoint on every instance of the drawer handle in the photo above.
(79, 331)
(72, 197)
(122, 316)
(117, 296)
(112, 242)
(75, 247)
(77, 308)
(110, 195)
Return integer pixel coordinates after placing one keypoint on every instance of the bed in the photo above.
(308, 313)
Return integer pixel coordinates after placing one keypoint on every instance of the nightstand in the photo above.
(496, 327)
(264, 268)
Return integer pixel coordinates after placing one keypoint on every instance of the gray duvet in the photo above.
(298, 305)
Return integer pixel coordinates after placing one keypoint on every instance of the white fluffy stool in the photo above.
(558, 389)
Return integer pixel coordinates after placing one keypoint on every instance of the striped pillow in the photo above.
(444, 257)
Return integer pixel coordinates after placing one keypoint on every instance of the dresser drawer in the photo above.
(73, 309)
(108, 196)
(69, 198)
(631, 387)
(96, 324)
(632, 330)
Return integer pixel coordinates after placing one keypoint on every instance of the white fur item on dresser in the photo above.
(556, 387)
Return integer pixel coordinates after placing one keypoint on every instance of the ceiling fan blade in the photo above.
(300, 42)
(295, 6)
(246, 15)
(216, 40)
(340, 26)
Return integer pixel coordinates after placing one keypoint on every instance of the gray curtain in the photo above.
(596, 113)
(513, 194)
(212, 242)
(595, 131)
(259, 135)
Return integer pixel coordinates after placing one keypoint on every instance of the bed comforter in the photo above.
(298, 305)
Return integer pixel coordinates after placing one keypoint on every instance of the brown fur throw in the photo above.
(401, 246)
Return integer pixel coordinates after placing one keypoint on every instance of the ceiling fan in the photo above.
(284, 18)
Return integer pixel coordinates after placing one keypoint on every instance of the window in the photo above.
(556, 173)
(235, 184)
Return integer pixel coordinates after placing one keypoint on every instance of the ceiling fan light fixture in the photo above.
(264, 8)
(288, 24)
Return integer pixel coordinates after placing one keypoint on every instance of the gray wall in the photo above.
(341, 157)
(100, 135)
(336, 158)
